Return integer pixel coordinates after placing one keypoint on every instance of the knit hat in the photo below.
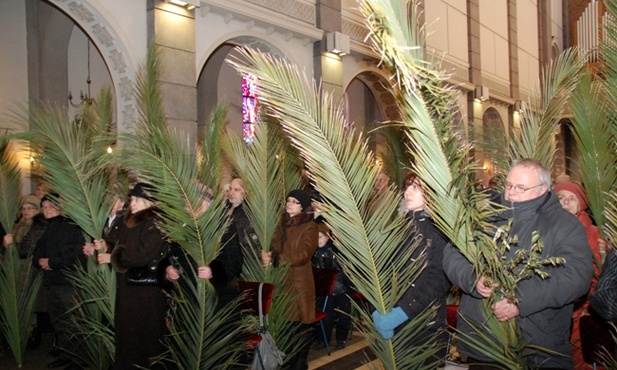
(301, 196)
(323, 228)
(141, 190)
(574, 188)
(31, 199)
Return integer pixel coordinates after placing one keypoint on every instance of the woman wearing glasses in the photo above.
(293, 244)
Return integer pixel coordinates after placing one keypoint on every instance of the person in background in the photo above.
(29, 209)
(223, 272)
(99, 247)
(543, 306)
(431, 287)
(573, 199)
(41, 190)
(338, 307)
(242, 224)
(140, 310)
(57, 251)
(294, 243)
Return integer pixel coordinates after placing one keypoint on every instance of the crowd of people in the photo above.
(546, 310)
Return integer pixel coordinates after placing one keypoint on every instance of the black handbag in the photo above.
(603, 300)
(145, 275)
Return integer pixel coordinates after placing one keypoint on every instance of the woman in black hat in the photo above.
(294, 244)
(140, 309)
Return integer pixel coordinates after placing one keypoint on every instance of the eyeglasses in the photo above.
(520, 189)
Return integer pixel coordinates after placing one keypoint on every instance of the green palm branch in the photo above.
(76, 164)
(10, 184)
(92, 317)
(428, 105)
(268, 168)
(199, 336)
(74, 157)
(396, 158)
(19, 283)
(540, 117)
(596, 146)
(343, 172)
(210, 148)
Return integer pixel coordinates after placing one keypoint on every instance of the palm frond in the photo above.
(540, 117)
(92, 318)
(170, 165)
(343, 173)
(268, 169)
(210, 149)
(10, 184)
(596, 147)
(19, 286)
(74, 157)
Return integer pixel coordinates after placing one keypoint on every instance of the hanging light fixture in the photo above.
(87, 97)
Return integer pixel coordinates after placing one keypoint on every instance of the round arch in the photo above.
(492, 127)
(114, 52)
(219, 82)
(376, 83)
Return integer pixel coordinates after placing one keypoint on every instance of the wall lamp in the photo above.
(337, 43)
(481, 93)
(188, 4)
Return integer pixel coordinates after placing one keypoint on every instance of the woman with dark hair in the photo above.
(294, 244)
(429, 290)
(139, 320)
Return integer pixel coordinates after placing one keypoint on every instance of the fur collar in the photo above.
(135, 219)
(296, 220)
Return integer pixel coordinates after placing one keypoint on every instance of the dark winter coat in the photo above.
(545, 305)
(325, 258)
(431, 286)
(140, 310)
(62, 242)
(226, 267)
(246, 233)
(294, 243)
(28, 242)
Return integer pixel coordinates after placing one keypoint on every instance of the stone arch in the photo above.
(219, 82)
(369, 103)
(492, 127)
(114, 52)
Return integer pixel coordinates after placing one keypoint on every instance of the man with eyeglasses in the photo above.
(543, 307)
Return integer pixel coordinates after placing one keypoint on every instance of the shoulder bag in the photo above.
(148, 274)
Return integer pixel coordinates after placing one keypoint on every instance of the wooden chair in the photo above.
(249, 291)
(324, 287)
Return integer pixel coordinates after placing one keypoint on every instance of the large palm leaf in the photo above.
(19, 284)
(268, 169)
(428, 107)
(596, 146)
(201, 337)
(343, 172)
(541, 116)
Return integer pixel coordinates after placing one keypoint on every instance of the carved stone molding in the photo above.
(114, 53)
(356, 31)
(292, 8)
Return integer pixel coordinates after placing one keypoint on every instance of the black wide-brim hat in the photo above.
(142, 190)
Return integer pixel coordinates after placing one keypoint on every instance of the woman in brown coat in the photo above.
(294, 243)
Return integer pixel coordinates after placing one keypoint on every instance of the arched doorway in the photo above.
(219, 82)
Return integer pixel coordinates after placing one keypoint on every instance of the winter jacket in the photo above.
(545, 305)
(325, 258)
(28, 242)
(139, 308)
(294, 243)
(226, 267)
(62, 242)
